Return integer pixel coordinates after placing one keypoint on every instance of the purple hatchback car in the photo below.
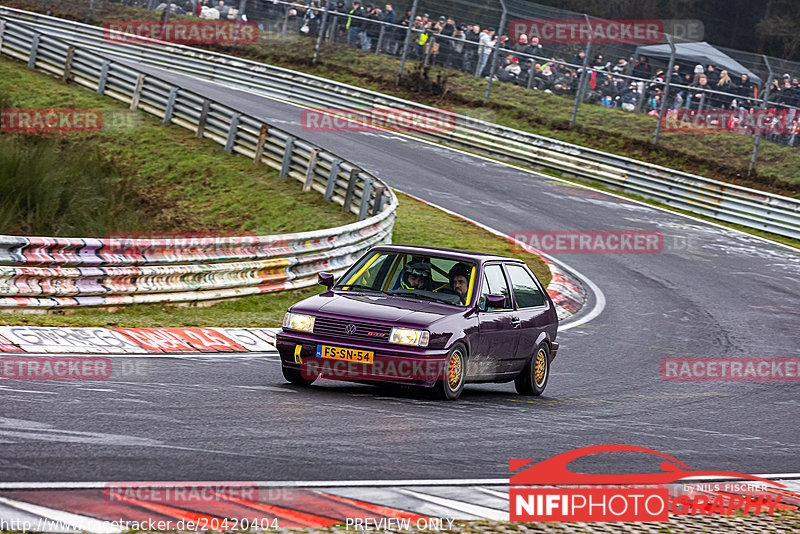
(424, 316)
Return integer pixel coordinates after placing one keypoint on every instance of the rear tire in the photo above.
(533, 378)
(452, 381)
(296, 376)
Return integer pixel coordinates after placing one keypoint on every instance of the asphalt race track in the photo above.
(711, 292)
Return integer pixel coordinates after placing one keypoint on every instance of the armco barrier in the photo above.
(726, 202)
(44, 272)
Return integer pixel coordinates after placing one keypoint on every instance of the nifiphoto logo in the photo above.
(549, 491)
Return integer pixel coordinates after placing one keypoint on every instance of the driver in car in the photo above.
(417, 275)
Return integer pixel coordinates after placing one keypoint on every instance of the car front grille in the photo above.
(376, 333)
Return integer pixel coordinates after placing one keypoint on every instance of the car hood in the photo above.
(379, 308)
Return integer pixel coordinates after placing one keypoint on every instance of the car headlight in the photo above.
(409, 336)
(298, 321)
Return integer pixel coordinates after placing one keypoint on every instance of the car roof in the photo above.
(469, 255)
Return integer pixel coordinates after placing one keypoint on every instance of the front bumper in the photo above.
(391, 363)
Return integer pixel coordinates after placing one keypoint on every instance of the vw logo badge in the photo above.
(350, 329)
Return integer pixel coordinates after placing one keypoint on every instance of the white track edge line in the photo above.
(316, 483)
(62, 518)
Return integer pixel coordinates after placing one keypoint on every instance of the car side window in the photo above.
(526, 292)
(494, 283)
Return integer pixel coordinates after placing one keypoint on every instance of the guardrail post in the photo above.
(262, 138)
(285, 20)
(376, 206)
(763, 107)
(406, 41)
(173, 94)
(331, 185)
(232, 132)
(67, 76)
(34, 51)
(2, 31)
(380, 39)
(201, 122)
(362, 212)
(322, 29)
(665, 93)
(334, 30)
(312, 165)
(137, 92)
(287, 157)
(495, 53)
(101, 82)
(351, 187)
(582, 78)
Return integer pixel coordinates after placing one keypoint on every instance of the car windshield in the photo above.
(423, 277)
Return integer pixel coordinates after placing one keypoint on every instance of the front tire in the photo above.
(452, 381)
(533, 378)
(296, 376)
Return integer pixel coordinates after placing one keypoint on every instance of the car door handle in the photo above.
(515, 322)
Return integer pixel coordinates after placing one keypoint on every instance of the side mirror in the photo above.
(325, 279)
(494, 301)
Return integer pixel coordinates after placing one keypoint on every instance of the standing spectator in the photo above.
(698, 89)
(578, 58)
(712, 74)
(642, 71)
(473, 35)
(372, 29)
(487, 42)
(446, 52)
(620, 67)
(534, 48)
(724, 85)
(746, 90)
(353, 25)
(390, 37)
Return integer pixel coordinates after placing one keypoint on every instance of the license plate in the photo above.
(342, 353)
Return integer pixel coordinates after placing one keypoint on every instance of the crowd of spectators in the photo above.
(628, 83)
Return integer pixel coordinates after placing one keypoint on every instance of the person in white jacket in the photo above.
(486, 44)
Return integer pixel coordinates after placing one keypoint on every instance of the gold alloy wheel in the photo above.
(454, 370)
(540, 367)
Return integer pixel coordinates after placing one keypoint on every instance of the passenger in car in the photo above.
(459, 280)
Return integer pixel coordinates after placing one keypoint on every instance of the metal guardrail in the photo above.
(45, 272)
(726, 202)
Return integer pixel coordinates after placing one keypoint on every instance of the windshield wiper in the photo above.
(362, 286)
(415, 295)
